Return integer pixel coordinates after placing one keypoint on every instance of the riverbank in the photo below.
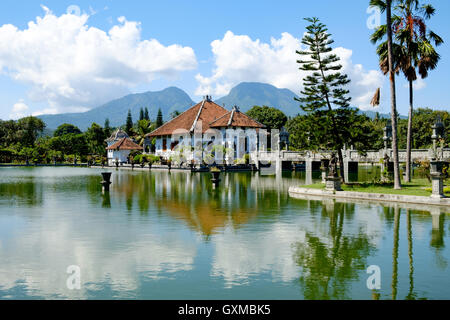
(379, 197)
(6, 165)
(177, 168)
(418, 187)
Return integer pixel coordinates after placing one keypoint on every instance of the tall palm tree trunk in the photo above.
(408, 176)
(397, 182)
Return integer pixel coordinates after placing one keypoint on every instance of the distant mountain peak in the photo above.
(168, 100)
(248, 94)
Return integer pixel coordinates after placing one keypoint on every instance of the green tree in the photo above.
(413, 37)
(175, 114)
(270, 117)
(413, 49)
(159, 119)
(70, 144)
(324, 88)
(387, 6)
(107, 128)
(146, 115)
(95, 137)
(423, 119)
(129, 124)
(365, 134)
(29, 129)
(66, 128)
(299, 129)
(8, 133)
(143, 128)
(141, 114)
(26, 153)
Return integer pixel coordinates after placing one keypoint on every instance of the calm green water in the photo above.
(166, 235)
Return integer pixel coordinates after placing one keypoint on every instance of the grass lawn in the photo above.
(418, 187)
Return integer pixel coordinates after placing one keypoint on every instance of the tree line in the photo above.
(405, 45)
(365, 133)
(23, 141)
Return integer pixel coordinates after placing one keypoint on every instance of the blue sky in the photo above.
(48, 70)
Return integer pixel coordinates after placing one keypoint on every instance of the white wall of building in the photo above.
(243, 140)
(117, 155)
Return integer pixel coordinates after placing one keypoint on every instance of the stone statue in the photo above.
(386, 160)
(332, 166)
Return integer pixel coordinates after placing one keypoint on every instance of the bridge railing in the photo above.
(349, 155)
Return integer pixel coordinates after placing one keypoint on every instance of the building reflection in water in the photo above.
(248, 232)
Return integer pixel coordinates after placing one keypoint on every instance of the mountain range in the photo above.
(245, 95)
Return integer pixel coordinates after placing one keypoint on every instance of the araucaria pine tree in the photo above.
(107, 128)
(141, 114)
(129, 123)
(159, 119)
(324, 97)
(146, 115)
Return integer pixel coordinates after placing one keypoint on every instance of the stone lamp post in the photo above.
(437, 178)
(387, 136)
(436, 163)
(438, 134)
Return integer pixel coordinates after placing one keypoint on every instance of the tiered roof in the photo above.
(210, 114)
(117, 135)
(235, 118)
(125, 144)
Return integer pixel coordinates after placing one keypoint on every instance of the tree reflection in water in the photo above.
(411, 294)
(328, 265)
(395, 252)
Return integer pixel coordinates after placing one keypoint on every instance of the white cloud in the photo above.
(19, 110)
(238, 257)
(73, 66)
(238, 58)
(417, 85)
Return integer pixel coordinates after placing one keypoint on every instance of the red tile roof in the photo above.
(125, 144)
(235, 118)
(205, 111)
(211, 115)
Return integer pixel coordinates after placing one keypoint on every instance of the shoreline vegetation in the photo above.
(417, 187)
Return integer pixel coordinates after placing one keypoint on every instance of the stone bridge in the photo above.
(352, 158)
(349, 155)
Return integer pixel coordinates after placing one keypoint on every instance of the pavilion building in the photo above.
(204, 125)
(119, 147)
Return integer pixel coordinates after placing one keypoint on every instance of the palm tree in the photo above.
(417, 52)
(143, 127)
(413, 50)
(387, 29)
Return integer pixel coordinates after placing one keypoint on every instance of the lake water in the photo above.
(161, 235)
